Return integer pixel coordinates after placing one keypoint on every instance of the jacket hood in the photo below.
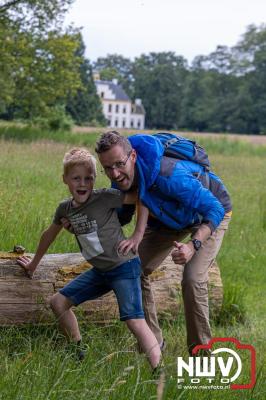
(149, 153)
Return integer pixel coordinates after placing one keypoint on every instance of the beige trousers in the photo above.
(154, 248)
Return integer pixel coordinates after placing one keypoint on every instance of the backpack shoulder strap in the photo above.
(168, 165)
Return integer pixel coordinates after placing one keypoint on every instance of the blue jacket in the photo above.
(172, 191)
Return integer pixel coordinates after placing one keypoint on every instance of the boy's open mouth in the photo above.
(81, 192)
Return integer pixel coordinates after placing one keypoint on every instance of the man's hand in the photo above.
(67, 225)
(182, 253)
(27, 265)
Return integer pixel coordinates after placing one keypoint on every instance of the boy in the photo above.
(92, 214)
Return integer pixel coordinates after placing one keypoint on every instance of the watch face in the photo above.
(196, 244)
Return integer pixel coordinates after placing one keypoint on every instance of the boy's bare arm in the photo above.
(132, 243)
(47, 238)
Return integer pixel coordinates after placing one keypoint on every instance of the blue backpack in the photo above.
(183, 149)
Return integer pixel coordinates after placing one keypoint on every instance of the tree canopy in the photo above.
(223, 91)
(40, 66)
(43, 65)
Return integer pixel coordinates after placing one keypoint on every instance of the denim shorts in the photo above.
(124, 280)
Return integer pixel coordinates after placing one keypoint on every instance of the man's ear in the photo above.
(134, 155)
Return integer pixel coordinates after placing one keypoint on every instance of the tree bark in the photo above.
(24, 300)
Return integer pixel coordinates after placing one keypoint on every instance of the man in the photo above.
(179, 204)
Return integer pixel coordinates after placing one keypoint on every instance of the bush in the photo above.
(233, 310)
(55, 119)
(96, 124)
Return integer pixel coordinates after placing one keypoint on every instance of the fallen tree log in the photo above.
(24, 300)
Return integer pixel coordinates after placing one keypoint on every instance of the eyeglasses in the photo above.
(117, 165)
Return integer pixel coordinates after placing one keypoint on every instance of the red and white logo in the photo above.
(226, 367)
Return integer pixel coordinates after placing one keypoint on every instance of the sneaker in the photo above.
(158, 372)
(76, 350)
(158, 375)
(80, 351)
(81, 354)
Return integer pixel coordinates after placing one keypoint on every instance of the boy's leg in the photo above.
(67, 320)
(86, 286)
(146, 339)
(125, 282)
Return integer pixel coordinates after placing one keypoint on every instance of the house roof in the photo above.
(138, 109)
(118, 91)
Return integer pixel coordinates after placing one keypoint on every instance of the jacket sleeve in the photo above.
(125, 213)
(188, 191)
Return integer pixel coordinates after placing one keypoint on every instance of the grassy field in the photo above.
(36, 363)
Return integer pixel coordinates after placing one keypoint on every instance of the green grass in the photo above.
(35, 362)
(29, 134)
(221, 145)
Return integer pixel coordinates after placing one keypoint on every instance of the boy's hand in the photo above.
(26, 264)
(67, 225)
(131, 243)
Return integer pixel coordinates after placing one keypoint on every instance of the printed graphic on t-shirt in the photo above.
(81, 224)
(90, 244)
(86, 232)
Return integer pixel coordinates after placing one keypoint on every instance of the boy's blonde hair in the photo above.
(79, 156)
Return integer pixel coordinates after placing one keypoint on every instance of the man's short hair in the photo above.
(79, 156)
(110, 139)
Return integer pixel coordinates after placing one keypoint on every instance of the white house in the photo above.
(118, 109)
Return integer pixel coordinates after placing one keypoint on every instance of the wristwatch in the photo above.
(196, 244)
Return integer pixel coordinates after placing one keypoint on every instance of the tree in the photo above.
(85, 106)
(242, 118)
(209, 99)
(118, 67)
(39, 65)
(252, 41)
(220, 60)
(46, 70)
(158, 81)
(7, 64)
(250, 63)
(34, 15)
(258, 88)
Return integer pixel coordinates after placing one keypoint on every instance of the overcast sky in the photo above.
(186, 27)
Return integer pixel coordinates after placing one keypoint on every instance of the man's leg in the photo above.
(153, 249)
(195, 288)
(146, 339)
(67, 320)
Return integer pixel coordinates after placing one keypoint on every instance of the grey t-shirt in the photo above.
(96, 227)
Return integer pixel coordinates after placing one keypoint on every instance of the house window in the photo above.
(109, 122)
(139, 123)
(124, 109)
(132, 123)
(117, 108)
(102, 95)
(116, 122)
(109, 107)
(124, 123)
